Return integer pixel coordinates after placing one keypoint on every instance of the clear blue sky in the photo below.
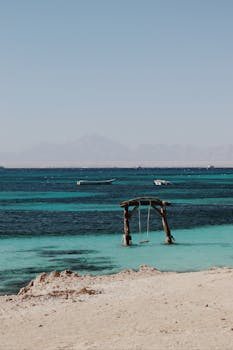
(137, 71)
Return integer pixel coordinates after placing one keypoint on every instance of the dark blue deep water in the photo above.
(47, 222)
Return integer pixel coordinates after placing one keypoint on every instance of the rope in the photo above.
(139, 218)
(148, 221)
(140, 225)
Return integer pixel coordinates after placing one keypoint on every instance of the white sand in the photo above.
(143, 310)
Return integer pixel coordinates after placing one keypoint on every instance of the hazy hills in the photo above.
(98, 150)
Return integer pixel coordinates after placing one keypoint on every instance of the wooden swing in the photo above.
(152, 202)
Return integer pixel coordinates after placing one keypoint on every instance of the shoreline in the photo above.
(145, 309)
(205, 164)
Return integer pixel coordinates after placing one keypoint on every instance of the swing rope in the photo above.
(148, 221)
(140, 225)
(139, 220)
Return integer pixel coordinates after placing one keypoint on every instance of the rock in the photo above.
(54, 274)
(68, 273)
(41, 278)
(24, 290)
(146, 268)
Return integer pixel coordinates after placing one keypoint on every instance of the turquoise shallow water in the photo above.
(210, 246)
(196, 249)
(47, 222)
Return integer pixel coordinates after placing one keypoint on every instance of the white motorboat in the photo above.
(159, 182)
(95, 182)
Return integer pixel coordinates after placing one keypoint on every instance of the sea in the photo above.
(48, 222)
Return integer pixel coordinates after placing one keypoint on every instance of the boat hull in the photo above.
(161, 182)
(95, 182)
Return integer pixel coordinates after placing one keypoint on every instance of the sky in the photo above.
(136, 71)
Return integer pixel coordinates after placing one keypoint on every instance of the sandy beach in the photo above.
(129, 310)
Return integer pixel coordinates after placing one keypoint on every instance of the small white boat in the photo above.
(95, 182)
(162, 182)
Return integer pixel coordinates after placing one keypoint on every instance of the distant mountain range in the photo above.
(95, 150)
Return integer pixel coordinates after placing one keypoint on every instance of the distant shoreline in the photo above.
(116, 165)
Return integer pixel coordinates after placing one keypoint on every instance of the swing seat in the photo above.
(145, 241)
(142, 241)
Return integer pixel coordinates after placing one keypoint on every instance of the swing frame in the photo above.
(159, 207)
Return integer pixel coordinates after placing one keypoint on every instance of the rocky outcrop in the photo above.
(68, 283)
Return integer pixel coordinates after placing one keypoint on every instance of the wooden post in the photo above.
(169, 237)
(127, 238)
